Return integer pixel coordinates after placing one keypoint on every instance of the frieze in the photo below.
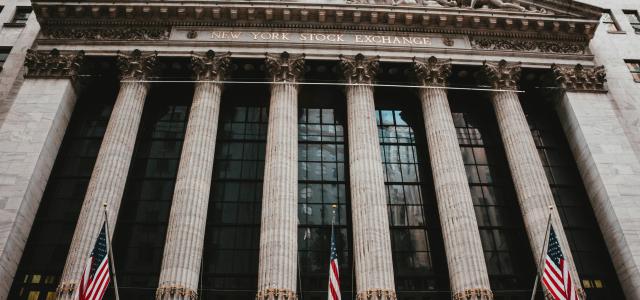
(107, 33)
(528, 45)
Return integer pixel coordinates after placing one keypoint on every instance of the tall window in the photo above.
(322, 184)
(46, 250)
(22, 15)
(418, 256)
(230, 258)
(610, 22)
(140, 231)
(634, 68)
(504, 240)
(634, 20)
(4, 54)
(587, 245)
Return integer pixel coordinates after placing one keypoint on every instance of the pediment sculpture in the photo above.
(491, 4)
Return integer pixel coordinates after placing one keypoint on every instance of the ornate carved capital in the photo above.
(377, 294)
(285, 67)
(359, 69)
(502, 75)
(52, 64)
(474, 294)
(279, 294)
(210, 66)
(432, 72)
(580, 79)
(65, 288)
(136, 66)
(183, 292)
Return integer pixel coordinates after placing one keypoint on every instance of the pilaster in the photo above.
(109, 176)
(182, 258)
(279, 226)
(371, 235)
(532, 187)
(465, 259)
(30, 138)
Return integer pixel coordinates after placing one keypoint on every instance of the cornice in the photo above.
(490, 22)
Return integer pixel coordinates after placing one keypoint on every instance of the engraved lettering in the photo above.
(285, 36)
(359, 38)
(340, 37)
(235, 35)
(255, 35)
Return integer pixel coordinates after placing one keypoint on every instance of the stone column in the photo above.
(112, 166)
(279, 225)
(182, 258)
(607, 164)
(531, 184)
(30, 138)
(465, 259)
(371, 235)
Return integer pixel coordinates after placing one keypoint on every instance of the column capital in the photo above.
(502, 75)
(52, 64)
(284, 67)
(480, 294)
(359, 69)
(377, 294)
(432, 72)
(176, 290)
(580, 79)
(210, 66)
(136, 66)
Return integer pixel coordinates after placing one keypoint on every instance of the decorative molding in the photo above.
(136, 66)
(276, 294)
(65, 288)
(377, 294)
(359, 69)
(132, 33)
(284, 67)
(52, 64)
(210, 66)
(474, 294)
(580, 79)
(432, 72)
(540, 46)
(501, 75)
(181, 291)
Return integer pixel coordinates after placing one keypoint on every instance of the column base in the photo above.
(474, 294)
(65, 290)
(377, 294)
(276, 294)
(175, 293)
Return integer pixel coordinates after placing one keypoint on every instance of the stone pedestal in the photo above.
(30, 138)
(110, 171)
(182, 258)
(371, 235)
(279, 225)
(532, 187)
(465, 259)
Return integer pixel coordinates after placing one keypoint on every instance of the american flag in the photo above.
(334, 273)
(95, 278)
(557, 276)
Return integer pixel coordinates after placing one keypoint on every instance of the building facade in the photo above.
(223, 141)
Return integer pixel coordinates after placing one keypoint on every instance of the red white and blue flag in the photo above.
(95, 278)
(557, 275)
(334, 273)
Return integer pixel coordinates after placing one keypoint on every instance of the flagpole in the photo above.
(541, 261)
(113, 264)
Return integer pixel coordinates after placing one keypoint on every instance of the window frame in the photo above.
(20, 22)
(634, 24)
(613, 22)
(2, 52)
(635, 73)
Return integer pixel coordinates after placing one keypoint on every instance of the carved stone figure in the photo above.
(496, 4)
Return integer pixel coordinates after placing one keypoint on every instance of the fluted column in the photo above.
(279, 225)
(465, 259)
(371, 235)
(182, 258)
(532, 187)
(112, 166)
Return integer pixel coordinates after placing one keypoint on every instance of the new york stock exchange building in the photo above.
(225, 138)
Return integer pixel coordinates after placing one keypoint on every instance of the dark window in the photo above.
(634, 68)
(418, 254)
(22, 15)
(139, 236)
(46, 250)
(585, 239)
(4, 54)
(610, 22)
(504, 239)
(322, 184)
(634, 20)
(230, 258)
